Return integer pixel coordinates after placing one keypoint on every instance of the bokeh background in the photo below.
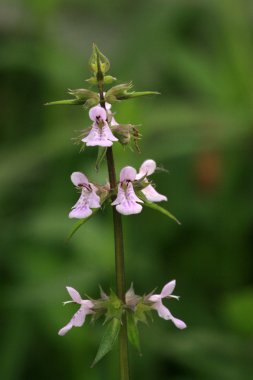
(198, 54)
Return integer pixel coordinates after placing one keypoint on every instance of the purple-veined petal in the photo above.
(96, 137)
(81, 209)
(79, 179)
(126, 201)
(93, 200)
(81, 212)
(97, 113)
(108, 133)
(147, 168)
(100, 136)
(65, 329)
(120, 196)
(152, 195)
(168, 289)
(128, 173)
(130, 194)
(129, 208)
(74, 294)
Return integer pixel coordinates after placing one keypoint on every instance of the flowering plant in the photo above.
(122, 310)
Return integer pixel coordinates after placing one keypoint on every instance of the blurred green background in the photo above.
(198, 54)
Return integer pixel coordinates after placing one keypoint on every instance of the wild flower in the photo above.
(78, 318)
(100, 133)
(88, 199)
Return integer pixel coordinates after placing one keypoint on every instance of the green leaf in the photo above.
(80, 223)
(109, 338)
(70, 102)
(101, 155)
(162, 210)
(132, 331)
(136, 94)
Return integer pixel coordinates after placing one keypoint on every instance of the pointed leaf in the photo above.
(109, 338)
(80, 223)
(162, 210)
(132, 331)
(136, 94)
(100, 157)
(66, 102)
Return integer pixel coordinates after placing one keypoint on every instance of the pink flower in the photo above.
(88, 199)
(100, 133)
(162, 311)
(147, 168)
(126, 201)
(78, 318)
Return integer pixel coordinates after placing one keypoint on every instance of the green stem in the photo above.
(119, 258)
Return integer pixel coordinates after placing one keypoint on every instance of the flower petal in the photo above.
(152, 195)
(65, 329)
(129, 208)
(99, 136)
(178, 323)
(94, 200)
(168, 288)
(147, 168)
(126, 201)
(78, 318)
(108, 133)
(79, 179)
(74, 294)
(128, 173)
(97, 113)
(155, 298)
(81, 209)
(162, 311)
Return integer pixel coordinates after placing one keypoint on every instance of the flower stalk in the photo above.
(119, 252)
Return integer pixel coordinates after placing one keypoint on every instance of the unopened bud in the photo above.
(98, 61)
(126, 134)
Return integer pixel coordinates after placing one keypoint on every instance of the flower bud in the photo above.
(107, 80)
(127, 134)
(98, 61)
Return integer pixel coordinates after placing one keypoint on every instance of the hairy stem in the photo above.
(119, 258)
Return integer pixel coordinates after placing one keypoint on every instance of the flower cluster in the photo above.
(126, 202)
(133, 303)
